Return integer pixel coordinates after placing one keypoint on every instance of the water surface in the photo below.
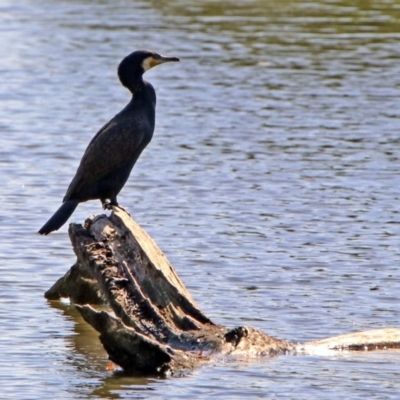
(271, 184)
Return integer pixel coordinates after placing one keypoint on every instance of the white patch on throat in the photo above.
(147, 63)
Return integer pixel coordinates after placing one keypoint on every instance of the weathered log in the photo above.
(157, 327)
(377, 339)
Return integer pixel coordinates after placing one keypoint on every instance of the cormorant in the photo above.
(114, 150)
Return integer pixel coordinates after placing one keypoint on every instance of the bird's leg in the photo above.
(104, 204)
(114, 203)
(108, 204)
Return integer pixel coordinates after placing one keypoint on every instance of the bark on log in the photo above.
(157, 327)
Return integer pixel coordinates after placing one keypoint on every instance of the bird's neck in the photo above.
(137, 86)
(144, 91)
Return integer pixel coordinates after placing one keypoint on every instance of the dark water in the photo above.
(271, 184)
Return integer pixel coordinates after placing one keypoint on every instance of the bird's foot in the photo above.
(108, 205)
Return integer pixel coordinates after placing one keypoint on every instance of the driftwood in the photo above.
(157, 328)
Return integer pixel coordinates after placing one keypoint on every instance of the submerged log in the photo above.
(158, 328)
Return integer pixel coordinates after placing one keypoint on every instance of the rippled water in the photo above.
(271, 183)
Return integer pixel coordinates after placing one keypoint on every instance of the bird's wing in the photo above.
(112, 147)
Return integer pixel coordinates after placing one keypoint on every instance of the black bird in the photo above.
(112, 153)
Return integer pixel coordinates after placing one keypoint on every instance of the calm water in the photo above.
(271, 184)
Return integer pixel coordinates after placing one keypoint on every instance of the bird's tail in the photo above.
(60, 217)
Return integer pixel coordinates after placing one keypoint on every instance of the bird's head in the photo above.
(132, 67)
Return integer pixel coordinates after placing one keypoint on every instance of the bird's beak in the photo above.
(161, 59)
(164, 59)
